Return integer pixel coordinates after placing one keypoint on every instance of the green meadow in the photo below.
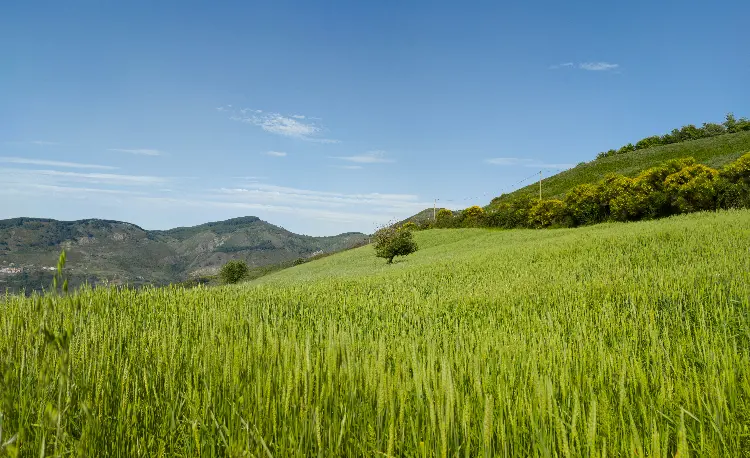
(619, 339)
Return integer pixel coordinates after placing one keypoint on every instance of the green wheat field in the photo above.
(610, 340)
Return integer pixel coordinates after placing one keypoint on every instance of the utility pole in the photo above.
(540, 185)
(434, 210)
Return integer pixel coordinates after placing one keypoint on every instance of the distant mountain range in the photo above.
(122, 253)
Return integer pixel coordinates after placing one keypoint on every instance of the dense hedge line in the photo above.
(686, 133)
(677, 186)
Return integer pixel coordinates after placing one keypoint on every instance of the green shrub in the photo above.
(233, 271)
(690, 132)
(426, 224)
(655, 176)
(444, 218)
(512, 213)
(692, 188)
(610, 188)
(730, 124)
(585, 205)
(648, 142)
(626, 149)
(677, 186)
(604, 154)
(732, 195)
(711, 129)
(392, 241)
(547, 213)
(632, 200)
(737, 171)
(473, 216)
(410, 226)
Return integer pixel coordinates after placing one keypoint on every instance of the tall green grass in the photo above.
(610, 340)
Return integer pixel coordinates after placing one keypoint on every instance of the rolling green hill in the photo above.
(120, 253)
(489, 252)
(619, 339)
(714, 152)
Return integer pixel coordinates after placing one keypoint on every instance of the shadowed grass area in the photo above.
(617, 339)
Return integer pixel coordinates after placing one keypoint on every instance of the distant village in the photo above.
(12, 269)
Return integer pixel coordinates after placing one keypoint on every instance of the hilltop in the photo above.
(123, 253)
(713, 152)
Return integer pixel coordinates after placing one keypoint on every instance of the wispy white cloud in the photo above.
(598, 66)
(102, 187)
(320, 205)
(349, 167)
(371, 157)
(139, 152)
(275, 153)
(247, 195)
(251, 178)
(58, 177)
(523, 162)
(107, 178)
(44, 143)
(84, 190)
(589, 66)
(247, 207)
(564, 65)
(48, 163)
(33, 142)
(293, 126)
(268, 193)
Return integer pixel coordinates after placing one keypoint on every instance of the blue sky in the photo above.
(326, 117)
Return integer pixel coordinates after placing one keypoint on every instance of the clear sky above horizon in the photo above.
(328, 117)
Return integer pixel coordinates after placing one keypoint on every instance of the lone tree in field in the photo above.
(393, 241)
(233, 271)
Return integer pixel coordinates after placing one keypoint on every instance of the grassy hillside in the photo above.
(124, 253)
(714, 152)
(492, 251)
(616, 339)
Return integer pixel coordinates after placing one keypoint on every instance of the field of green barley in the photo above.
(610, 340)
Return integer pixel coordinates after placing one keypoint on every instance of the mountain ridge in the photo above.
(119, 252)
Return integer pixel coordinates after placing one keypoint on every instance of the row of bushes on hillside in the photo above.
(686, 133)
(678, 186)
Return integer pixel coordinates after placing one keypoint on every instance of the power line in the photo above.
(505, 188)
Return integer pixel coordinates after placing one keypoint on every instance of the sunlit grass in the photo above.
(616, 340)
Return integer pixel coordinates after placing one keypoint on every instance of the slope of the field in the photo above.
(609, 340)
(489, 254)
(714, 152)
